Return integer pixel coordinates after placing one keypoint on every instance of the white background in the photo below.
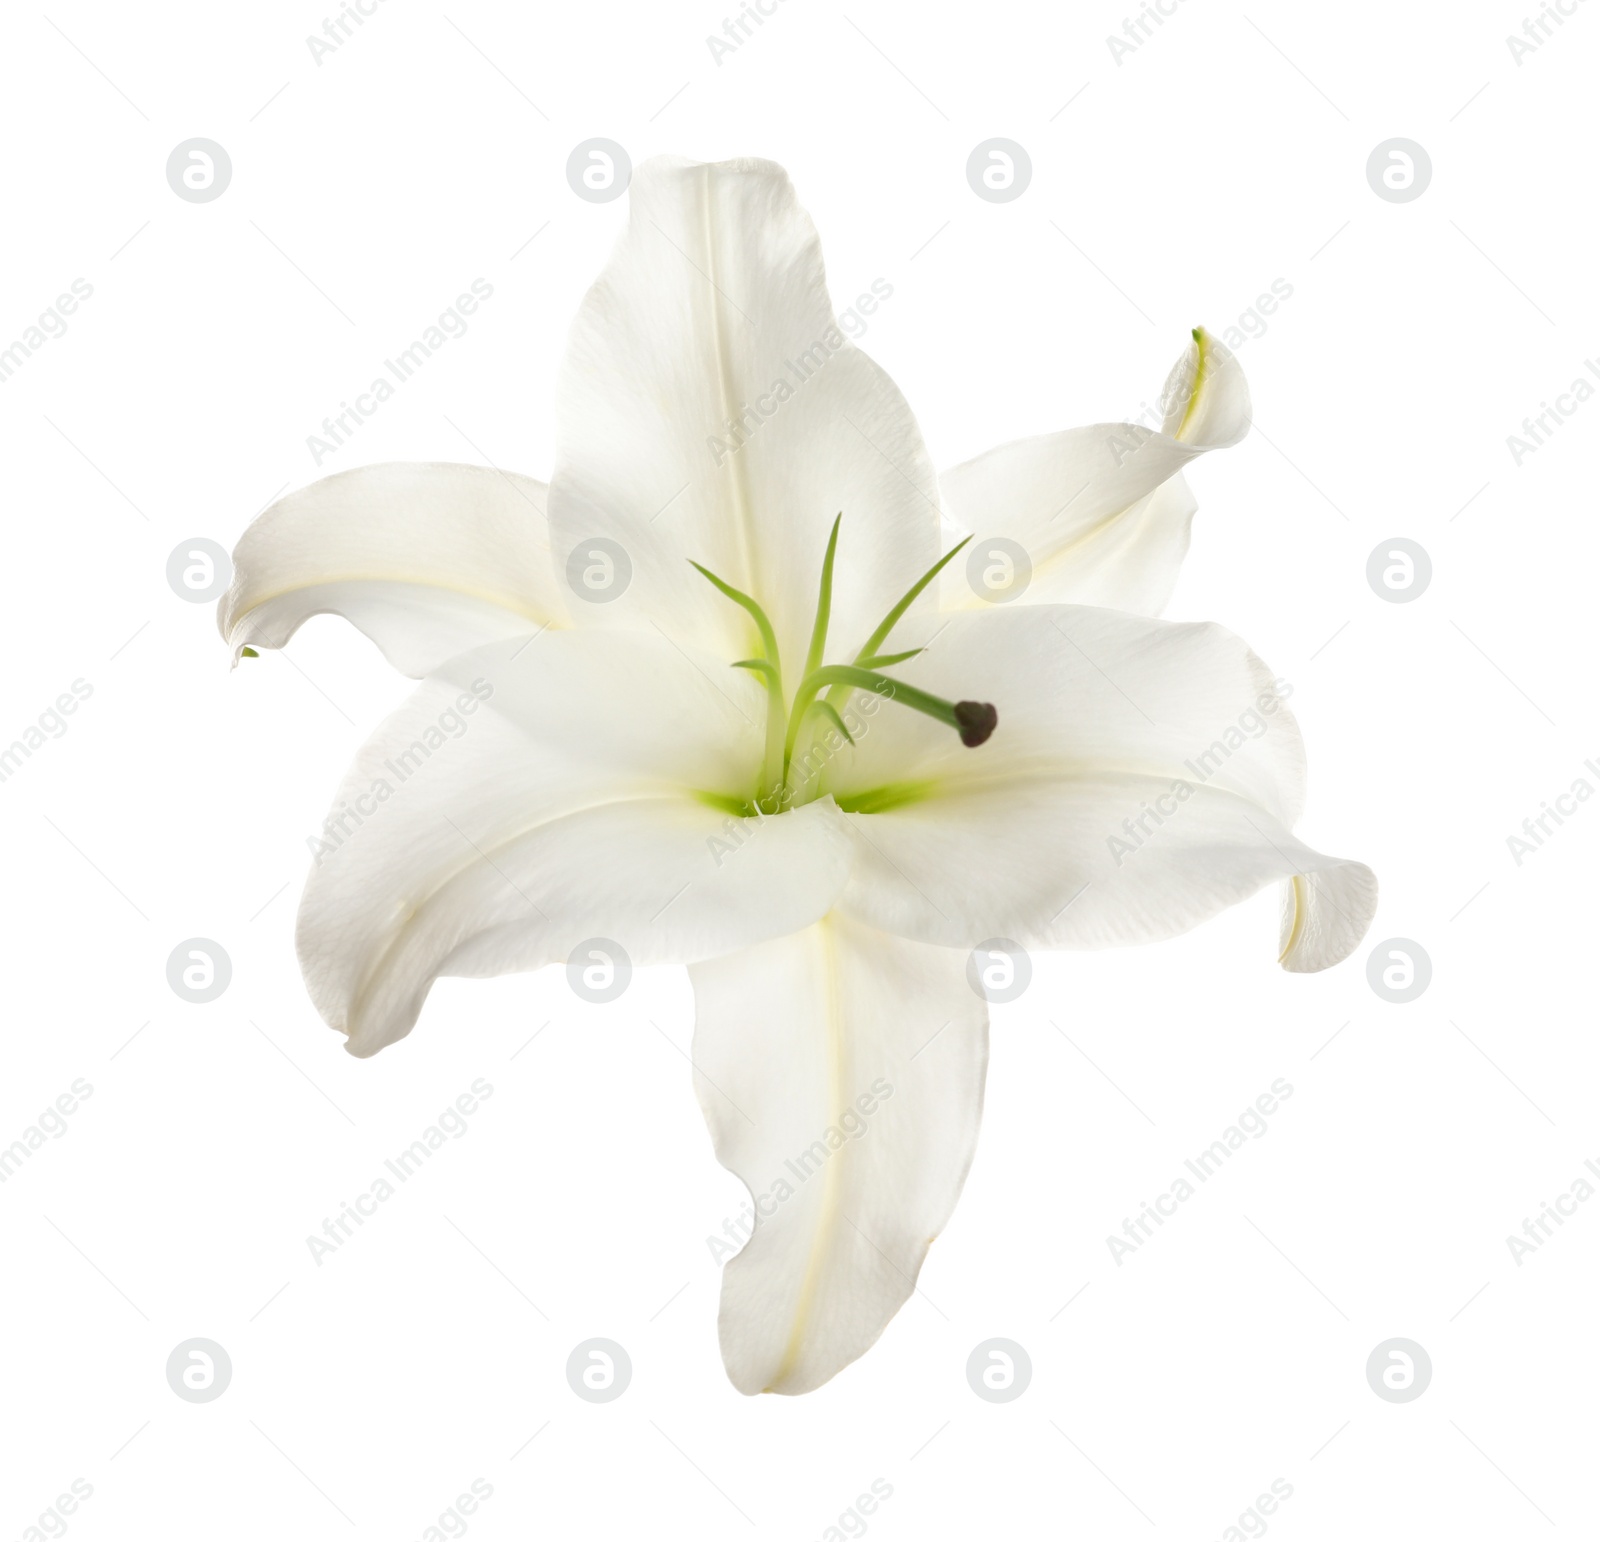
(1169, 189)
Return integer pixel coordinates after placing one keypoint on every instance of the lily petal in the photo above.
(1326, 912)
(841, 1072)
(1144, 776)
(712, 408)
(535, 794)
(427, 559)
(1102, 512)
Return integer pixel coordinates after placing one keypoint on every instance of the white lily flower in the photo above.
(769, 489)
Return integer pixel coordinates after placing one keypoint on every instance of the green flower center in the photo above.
(823, 687)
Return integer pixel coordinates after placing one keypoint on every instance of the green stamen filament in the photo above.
(973, 720)
(884, 660)
(771, 762)
(887, 625)
(819, 631)
(868, 657)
